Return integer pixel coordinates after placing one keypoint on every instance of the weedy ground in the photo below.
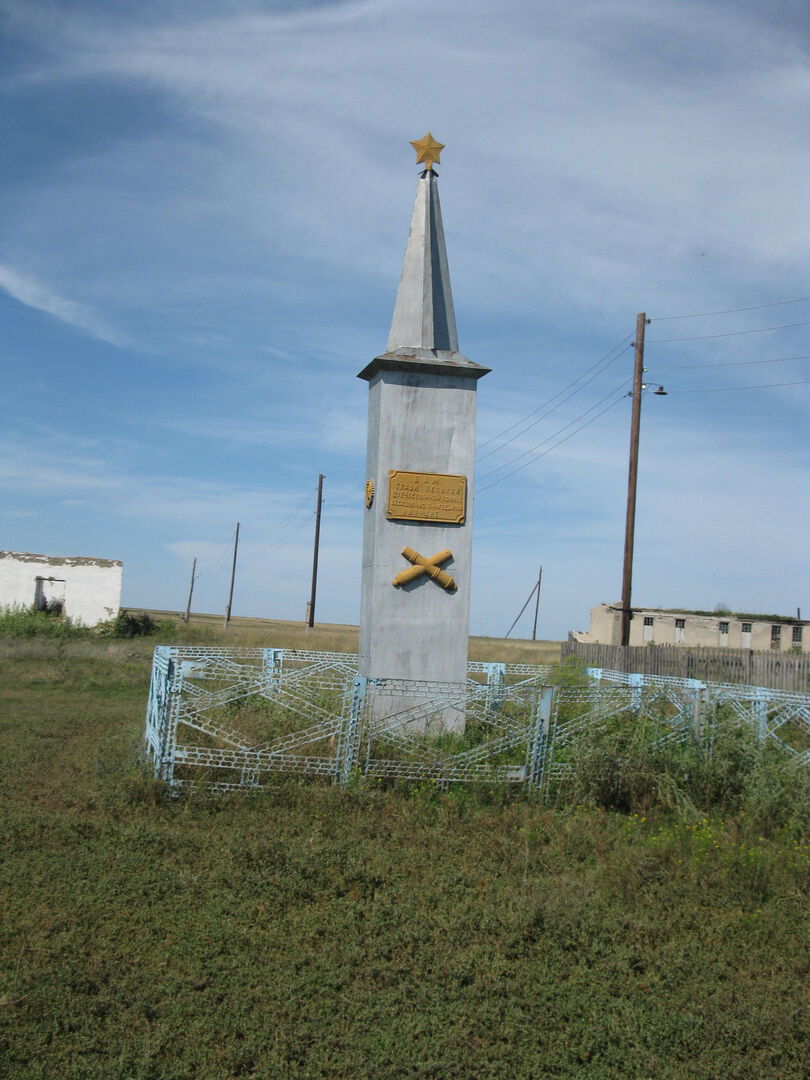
(330, 636)
(377, 932)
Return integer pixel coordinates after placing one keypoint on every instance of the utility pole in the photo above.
(191, 587)
(311, 620)
(537, 603)
(535, 589)
(630, 523)
(233, 575)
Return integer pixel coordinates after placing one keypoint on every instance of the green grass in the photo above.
(21, 622)
(382, 932)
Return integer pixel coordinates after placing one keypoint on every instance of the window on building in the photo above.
(49, 595)
(746, 627)
(648, 620)
(776, 636)
(680, 624)
(797, 635)
(723, 628)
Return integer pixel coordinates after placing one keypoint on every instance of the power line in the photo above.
(554, 447)
(557, 432)
(554, 434)
(289, 516)
(730, 363)
(544, 416)
(289, 536)
(729, 333)
(281, 536)
(218, 565)
(731, 311)
(608, 356)
(287, 528)
(573, 382)
(722, 389)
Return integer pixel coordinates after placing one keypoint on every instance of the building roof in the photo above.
(745, 616)
(58, 560)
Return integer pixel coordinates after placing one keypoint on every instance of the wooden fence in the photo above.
(777, 670)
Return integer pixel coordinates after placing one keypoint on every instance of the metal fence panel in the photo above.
(227, 719)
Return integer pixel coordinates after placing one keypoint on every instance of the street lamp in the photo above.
(639, 386)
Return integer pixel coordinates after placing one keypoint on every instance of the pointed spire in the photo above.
(423, 314)
(423, 336)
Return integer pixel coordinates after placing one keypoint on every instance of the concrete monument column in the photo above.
(417, 536)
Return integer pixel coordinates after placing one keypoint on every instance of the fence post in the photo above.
(496, 676)
(537, 749)
(636, 681)
(174, 680)
(271, 672)
(761, 713)
(696, 689)
(157, 707)
(348, 732)
(272, 667)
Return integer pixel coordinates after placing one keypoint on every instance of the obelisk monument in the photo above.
(417, 536)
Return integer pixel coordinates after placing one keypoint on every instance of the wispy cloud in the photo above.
(136, 515)
(236, 193)
(36, 294)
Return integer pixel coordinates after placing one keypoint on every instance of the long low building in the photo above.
(712, 629)
(87, 590)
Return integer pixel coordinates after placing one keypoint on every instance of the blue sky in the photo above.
(204, 211)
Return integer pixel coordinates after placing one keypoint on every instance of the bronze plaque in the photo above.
(417, 496)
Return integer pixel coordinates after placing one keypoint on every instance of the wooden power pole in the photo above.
(191, 588)
(535, 589)
(233, 575)
(311, 619)
(630, 523)
(537, 603)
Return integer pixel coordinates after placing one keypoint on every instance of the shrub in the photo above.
(620, 763)
(777, 793)
(569, 672)
(131, 624)
(18, 621)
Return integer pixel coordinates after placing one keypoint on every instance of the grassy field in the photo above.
(379, 932)
(277, 633)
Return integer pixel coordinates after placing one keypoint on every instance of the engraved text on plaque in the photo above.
(417, 496)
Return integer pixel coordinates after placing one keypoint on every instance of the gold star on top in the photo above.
(427, 151)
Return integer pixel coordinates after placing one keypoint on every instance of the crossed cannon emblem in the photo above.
(430, 566)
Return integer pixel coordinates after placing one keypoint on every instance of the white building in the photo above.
(87, 590)
(718, 629)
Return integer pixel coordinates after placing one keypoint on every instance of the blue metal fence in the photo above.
(227, 719)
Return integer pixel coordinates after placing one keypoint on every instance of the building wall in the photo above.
(690, 629)
(90, 588)
(606, 626)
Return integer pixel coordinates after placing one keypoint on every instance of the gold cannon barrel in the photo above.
(425, 566)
